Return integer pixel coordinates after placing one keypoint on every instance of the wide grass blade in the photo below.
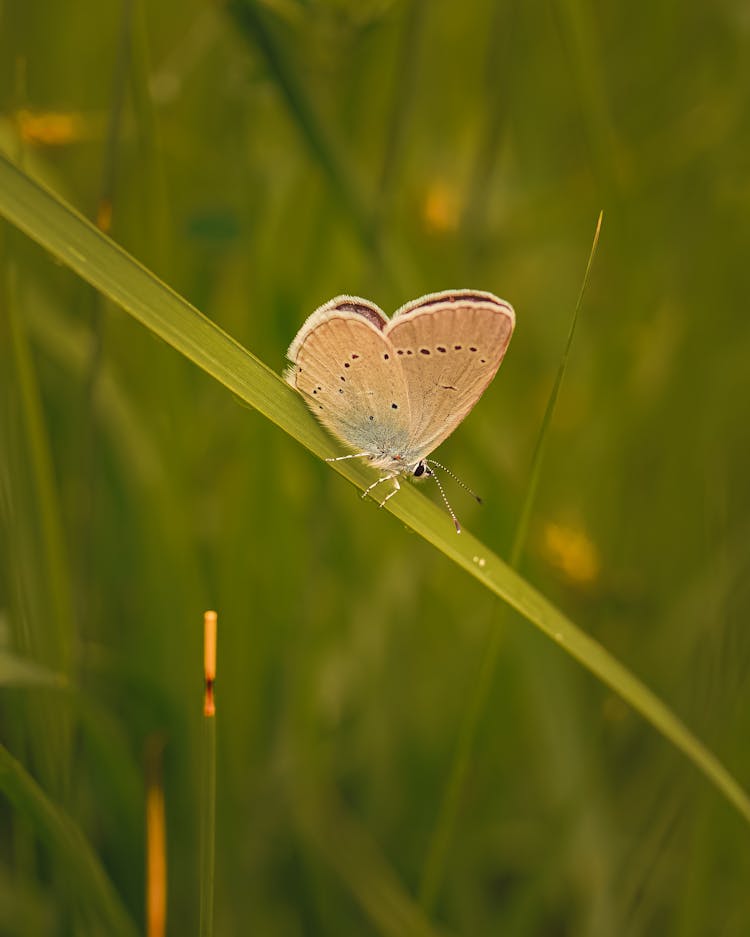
(75, 242)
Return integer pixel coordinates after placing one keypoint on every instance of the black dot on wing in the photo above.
(442, 349)
(346, 364)
(400, 351)
(394, 406)
(354, 357)
(483, 361)
(457, 347)
(424, 351)
(341, 390)
(409, 351)
(371, 418)
(386, 356)
(472, 348)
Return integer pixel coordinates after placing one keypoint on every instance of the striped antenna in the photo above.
(455, 479)
(445, 500)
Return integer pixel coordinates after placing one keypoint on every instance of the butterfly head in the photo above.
(421, 469)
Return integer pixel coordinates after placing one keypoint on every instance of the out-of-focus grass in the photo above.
(120, 278)
(348, 647)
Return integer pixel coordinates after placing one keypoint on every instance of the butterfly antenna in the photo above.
(446, 502)
(456, 479)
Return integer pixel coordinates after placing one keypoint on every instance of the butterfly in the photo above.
(394, 389)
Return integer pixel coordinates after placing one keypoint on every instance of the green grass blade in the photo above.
(55, 827)
(156, 232)
(500, 67)
(437, 854)
(578, 27)
(208, 793)
(208, 829)
(75, 242)
(16, 671)
(329, 153)
(405, 79)
(334, 832)
(522, 527)
(252, 22)
(55, 642)
(40, 595)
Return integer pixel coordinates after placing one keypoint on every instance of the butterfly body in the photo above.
(394, 389)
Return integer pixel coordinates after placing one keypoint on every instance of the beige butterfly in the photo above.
(394, 389)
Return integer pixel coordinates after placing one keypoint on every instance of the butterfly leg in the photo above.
(341, 458)
(383, 478)
(396, 488)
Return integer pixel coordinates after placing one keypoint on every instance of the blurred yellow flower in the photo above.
(441, 208)
(50, 128)
(570, 551)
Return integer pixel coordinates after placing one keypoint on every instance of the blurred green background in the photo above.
(262, 158)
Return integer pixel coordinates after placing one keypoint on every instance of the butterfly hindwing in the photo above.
(345, 369)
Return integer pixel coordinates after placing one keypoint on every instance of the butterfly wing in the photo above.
(344, 367)
(450, 346)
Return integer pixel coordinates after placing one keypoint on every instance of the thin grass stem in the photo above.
(208, 801)
(434, 866)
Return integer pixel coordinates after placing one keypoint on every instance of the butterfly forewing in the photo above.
(346, 370)
(450, 346)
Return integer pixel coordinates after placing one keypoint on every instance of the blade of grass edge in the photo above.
(79, 245)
